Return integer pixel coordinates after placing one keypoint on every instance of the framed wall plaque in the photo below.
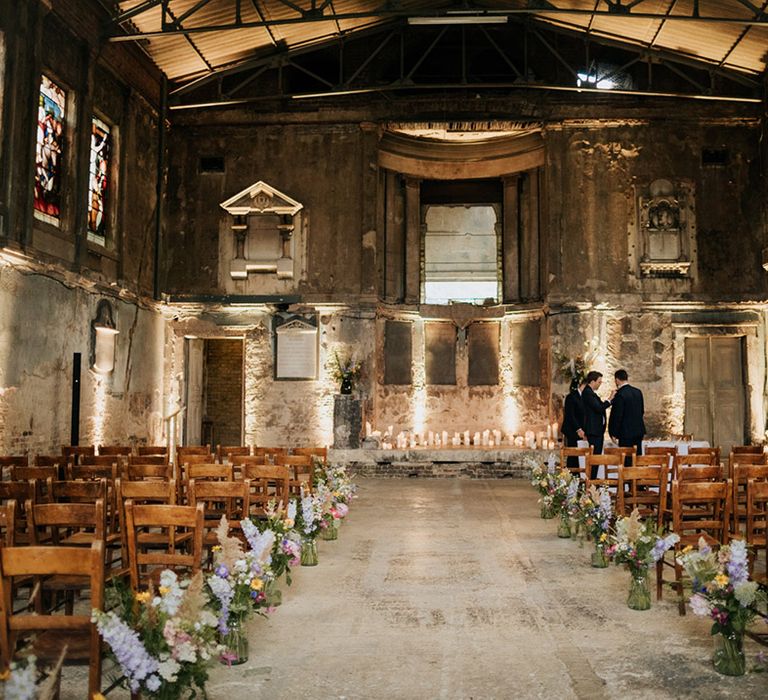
(295, 348)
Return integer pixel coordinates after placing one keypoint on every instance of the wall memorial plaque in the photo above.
(483, 346)
(440, 353)
(296, 349)
(397, 352)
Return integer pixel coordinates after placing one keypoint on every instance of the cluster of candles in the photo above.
(543, 439)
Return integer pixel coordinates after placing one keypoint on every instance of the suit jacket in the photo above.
(626, 421)
(573, 413)
(594, 412)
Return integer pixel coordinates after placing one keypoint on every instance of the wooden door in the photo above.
(714, 390)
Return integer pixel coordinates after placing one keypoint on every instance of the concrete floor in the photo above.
(457, 589)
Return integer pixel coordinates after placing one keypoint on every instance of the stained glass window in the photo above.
(98, 179)
(48, 153)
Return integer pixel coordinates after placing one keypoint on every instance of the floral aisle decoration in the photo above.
(236, 586)
(338, 481)
(20, 680)
(571, 506)
(556, 498)
(723, 592)
(346, 371)
(309, 514)
(541, 473)
(595, 516)
(163, 640)
(637, 545)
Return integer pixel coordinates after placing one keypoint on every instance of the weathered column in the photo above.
(412, 240)
(510, 240)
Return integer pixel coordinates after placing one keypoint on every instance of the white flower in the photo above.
(168, 669)
(745, 593)
(699, 605)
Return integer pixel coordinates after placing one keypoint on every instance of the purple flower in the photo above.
(738, 569)
(222, 571)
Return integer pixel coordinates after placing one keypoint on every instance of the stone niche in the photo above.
(262, 227)
(667, 229)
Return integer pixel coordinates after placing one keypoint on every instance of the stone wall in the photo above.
(224, 389)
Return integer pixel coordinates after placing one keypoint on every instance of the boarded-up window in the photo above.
(483, 346)
(440, 353)
(397, 352)
(524, 350)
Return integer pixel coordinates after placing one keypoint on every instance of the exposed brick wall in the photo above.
(224, 389)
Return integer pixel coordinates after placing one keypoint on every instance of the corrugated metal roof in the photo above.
(182, 57)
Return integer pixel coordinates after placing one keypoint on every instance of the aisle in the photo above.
(456, 589)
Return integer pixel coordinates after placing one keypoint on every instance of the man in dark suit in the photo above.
(573, 420)
(594, 412)
(626, 425)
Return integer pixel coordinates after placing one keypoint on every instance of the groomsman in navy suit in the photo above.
(626, 424)
(594, 413)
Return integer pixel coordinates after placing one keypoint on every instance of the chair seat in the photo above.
(47, 645)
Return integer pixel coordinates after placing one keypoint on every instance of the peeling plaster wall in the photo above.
(37, 342)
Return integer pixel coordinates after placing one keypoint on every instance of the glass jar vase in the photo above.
(546, 511)
(235, 644)
(564, 526)
(599, 560)
(639, 597)
(309, 552)
(273, 595)
(729, 654)
(331, 532)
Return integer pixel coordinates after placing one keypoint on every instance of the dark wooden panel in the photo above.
(483, 347)
(461, 192)
(397, 352)
(440, 353)
(524, 349)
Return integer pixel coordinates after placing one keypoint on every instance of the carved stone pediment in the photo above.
(262, 227)
(261, 198)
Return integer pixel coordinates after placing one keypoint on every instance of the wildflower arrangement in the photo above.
(594, 513)
(309, 514)
(572, 369)
(638, 544)
(722, 590)
(345, 368)
(557, 494)
(338, 481)
(162, 640)
(20, 680)
(286, 547)
(238, 578)
(541, 473)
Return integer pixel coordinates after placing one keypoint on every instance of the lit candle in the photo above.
(367, 429)
(554, 430)
(445, 438)
(476, 439)
(466, 437)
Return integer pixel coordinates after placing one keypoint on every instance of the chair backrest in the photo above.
(70, 524)
(73, 453)
(658, 450)
(223, 472)
(270, 452)
(654, 460)
(692, 474)
(14, 461)
(269, 482)
(715, 451)
(195, 459)
(757, 516)
(748, 458)
(99, 460)
(574, 458)
(92, 471)
(148, 459)
(184, 450)
(49, 460)
(301, 466)
(701, 509)
(21, 493)
(240, 460)
(27, 473)
(8, 523)
(743, 473)
(76, 491)
(123, 450)
(321, 452)
(137, 472)
(153, 450)
(21, 562)
(747, 449)
(226, 452)
(628, 453)
(183, 527)
(228, 498)
(706, 459)
(610, 465)
(644, 488)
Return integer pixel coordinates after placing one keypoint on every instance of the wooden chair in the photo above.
(20, 492)
(610, 464)
(269, 452)
(8, 461)
(183, 451)
(320, 452)
(220, 498)
(644, 488)
(115, 450)
(138, 472)
(8, 523)
(655, 460)
(53, 631)
(736, 458)
(572, 458)
(153, 451)
(706, 459)
(757, 527)
(748, 449)
(73, 453)
(713, 451)
(183, 529)
(72, 525)
(660, 450)
(699, 509)
(302, 468)
(226, 452)
(99, 460)
(269, 483)
(628, 453)
(28, 473)
(76, 491)
(93, 471)
(743, 473)
(691, 473)
(49, 461)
